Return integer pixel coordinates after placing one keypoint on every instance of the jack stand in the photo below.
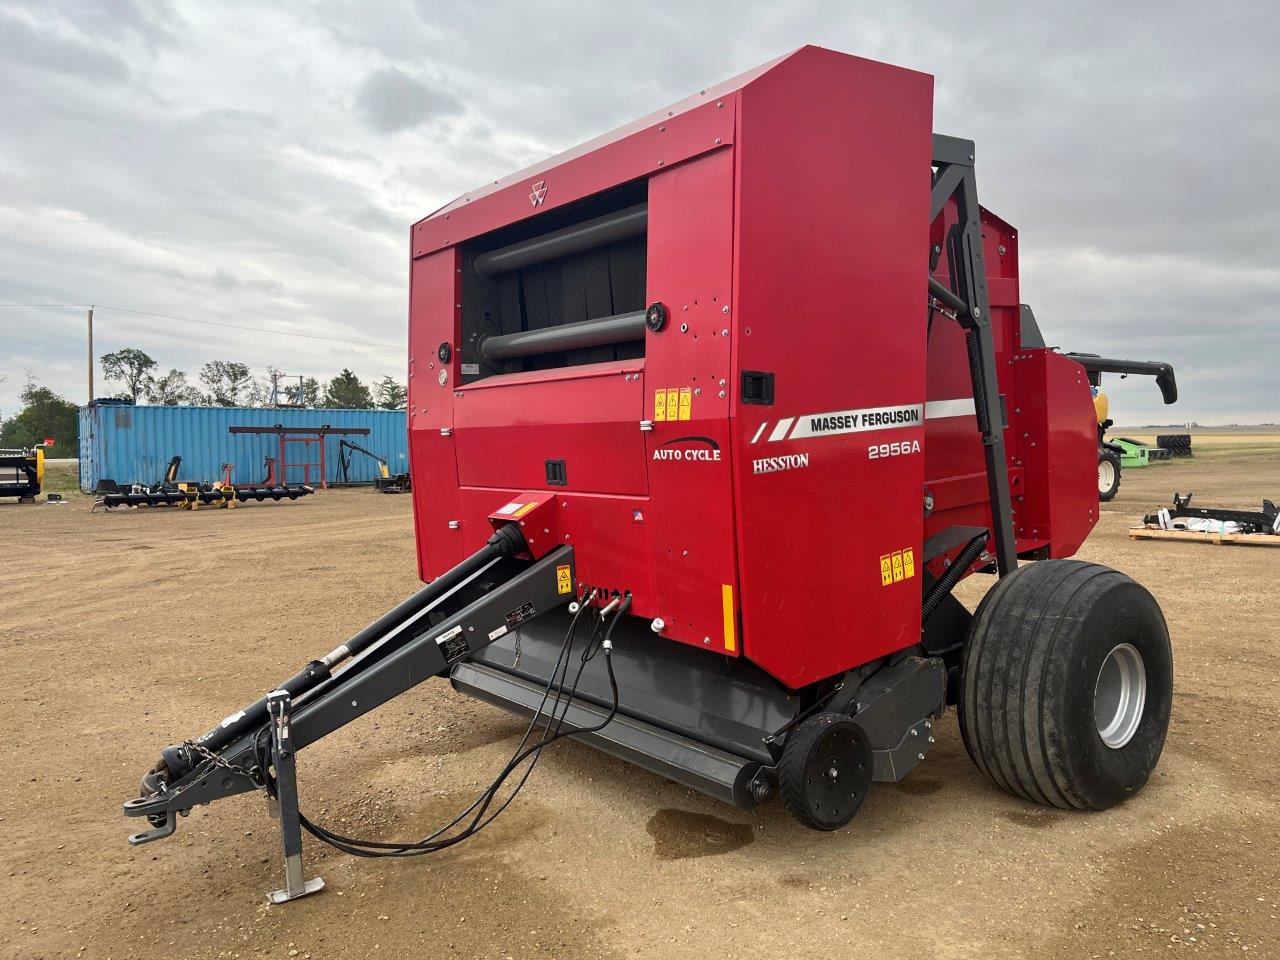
(285, 807)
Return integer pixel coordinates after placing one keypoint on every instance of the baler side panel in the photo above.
(1061, 499)
(508, 427)
(833, 220)
(687, 375)
(433, 292)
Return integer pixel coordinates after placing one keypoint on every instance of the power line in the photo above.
(214, 323)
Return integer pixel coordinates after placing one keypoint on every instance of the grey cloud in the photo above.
(46, 50)
(390, 100)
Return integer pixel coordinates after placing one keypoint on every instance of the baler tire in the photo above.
(1032, 685)
(802, 790)
(1112, 460)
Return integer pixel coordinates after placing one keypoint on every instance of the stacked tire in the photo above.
(1178, 444)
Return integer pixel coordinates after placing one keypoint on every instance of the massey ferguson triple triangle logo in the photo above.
(539, 193)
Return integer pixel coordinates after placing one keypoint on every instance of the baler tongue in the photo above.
(481, 599)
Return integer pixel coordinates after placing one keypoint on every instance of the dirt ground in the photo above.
(122, 632)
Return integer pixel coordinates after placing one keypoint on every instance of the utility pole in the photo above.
(91, 353)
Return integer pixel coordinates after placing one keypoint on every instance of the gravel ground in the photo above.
(122, 632)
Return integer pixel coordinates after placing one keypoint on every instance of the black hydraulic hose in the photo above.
(505, 542)
(951, 576)
(552, 733)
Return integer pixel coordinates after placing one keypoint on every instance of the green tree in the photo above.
(43, 414)
(390, 394)
(130, 367)
(312, 391)
(170, 389)
(228, 382)
(346, 392)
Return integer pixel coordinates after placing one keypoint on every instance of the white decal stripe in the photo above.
(941, 409)
(781, 429)
(760, 431)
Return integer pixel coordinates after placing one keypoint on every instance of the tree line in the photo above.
(220, 383)
(229, 383)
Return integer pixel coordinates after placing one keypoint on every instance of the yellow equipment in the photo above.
(22, 473)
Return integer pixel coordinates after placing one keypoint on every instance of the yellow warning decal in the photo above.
(672, 403)
(730, 629)
(564, 579)
(525, 509)
(897, 566)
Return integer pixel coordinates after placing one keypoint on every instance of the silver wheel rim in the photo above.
(1119, 695)
(1106, 475)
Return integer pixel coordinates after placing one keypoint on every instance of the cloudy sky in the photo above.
(224, 163)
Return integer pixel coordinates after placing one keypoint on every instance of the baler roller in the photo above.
(622, 225)
(620, 328)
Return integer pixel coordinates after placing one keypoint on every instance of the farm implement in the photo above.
(708, 417)
(170, 492)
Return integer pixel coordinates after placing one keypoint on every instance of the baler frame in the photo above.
(954, 178)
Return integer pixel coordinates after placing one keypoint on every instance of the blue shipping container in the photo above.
(133, 444)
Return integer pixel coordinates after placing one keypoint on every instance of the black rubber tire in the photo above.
(815, 804)
(1031, 664)
(1113, 458)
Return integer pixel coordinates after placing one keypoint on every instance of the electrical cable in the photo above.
(485, 796)
(479, 809)
(431, 844)
(361, 848)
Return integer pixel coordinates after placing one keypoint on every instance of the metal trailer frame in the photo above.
(305, 436)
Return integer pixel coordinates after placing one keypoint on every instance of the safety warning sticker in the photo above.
(897, 566)
(564, 579)
(672, 403)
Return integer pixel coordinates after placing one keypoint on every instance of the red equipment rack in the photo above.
(306, 436)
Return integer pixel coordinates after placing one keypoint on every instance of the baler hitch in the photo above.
(478, 601)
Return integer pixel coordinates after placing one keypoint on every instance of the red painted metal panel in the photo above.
(507, 427)
(688, 362)
(833, 231)
(433, 292)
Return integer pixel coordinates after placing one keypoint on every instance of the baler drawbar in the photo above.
(730, 393)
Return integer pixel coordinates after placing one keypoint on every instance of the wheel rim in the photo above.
(1106, 475)
(1119, 695)
(836, 776)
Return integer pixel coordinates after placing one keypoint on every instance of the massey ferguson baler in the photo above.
(708, 417)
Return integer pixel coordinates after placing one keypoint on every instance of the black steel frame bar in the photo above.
(954, 160)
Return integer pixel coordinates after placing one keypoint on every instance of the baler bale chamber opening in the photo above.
(562, 290)
(708, 417)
